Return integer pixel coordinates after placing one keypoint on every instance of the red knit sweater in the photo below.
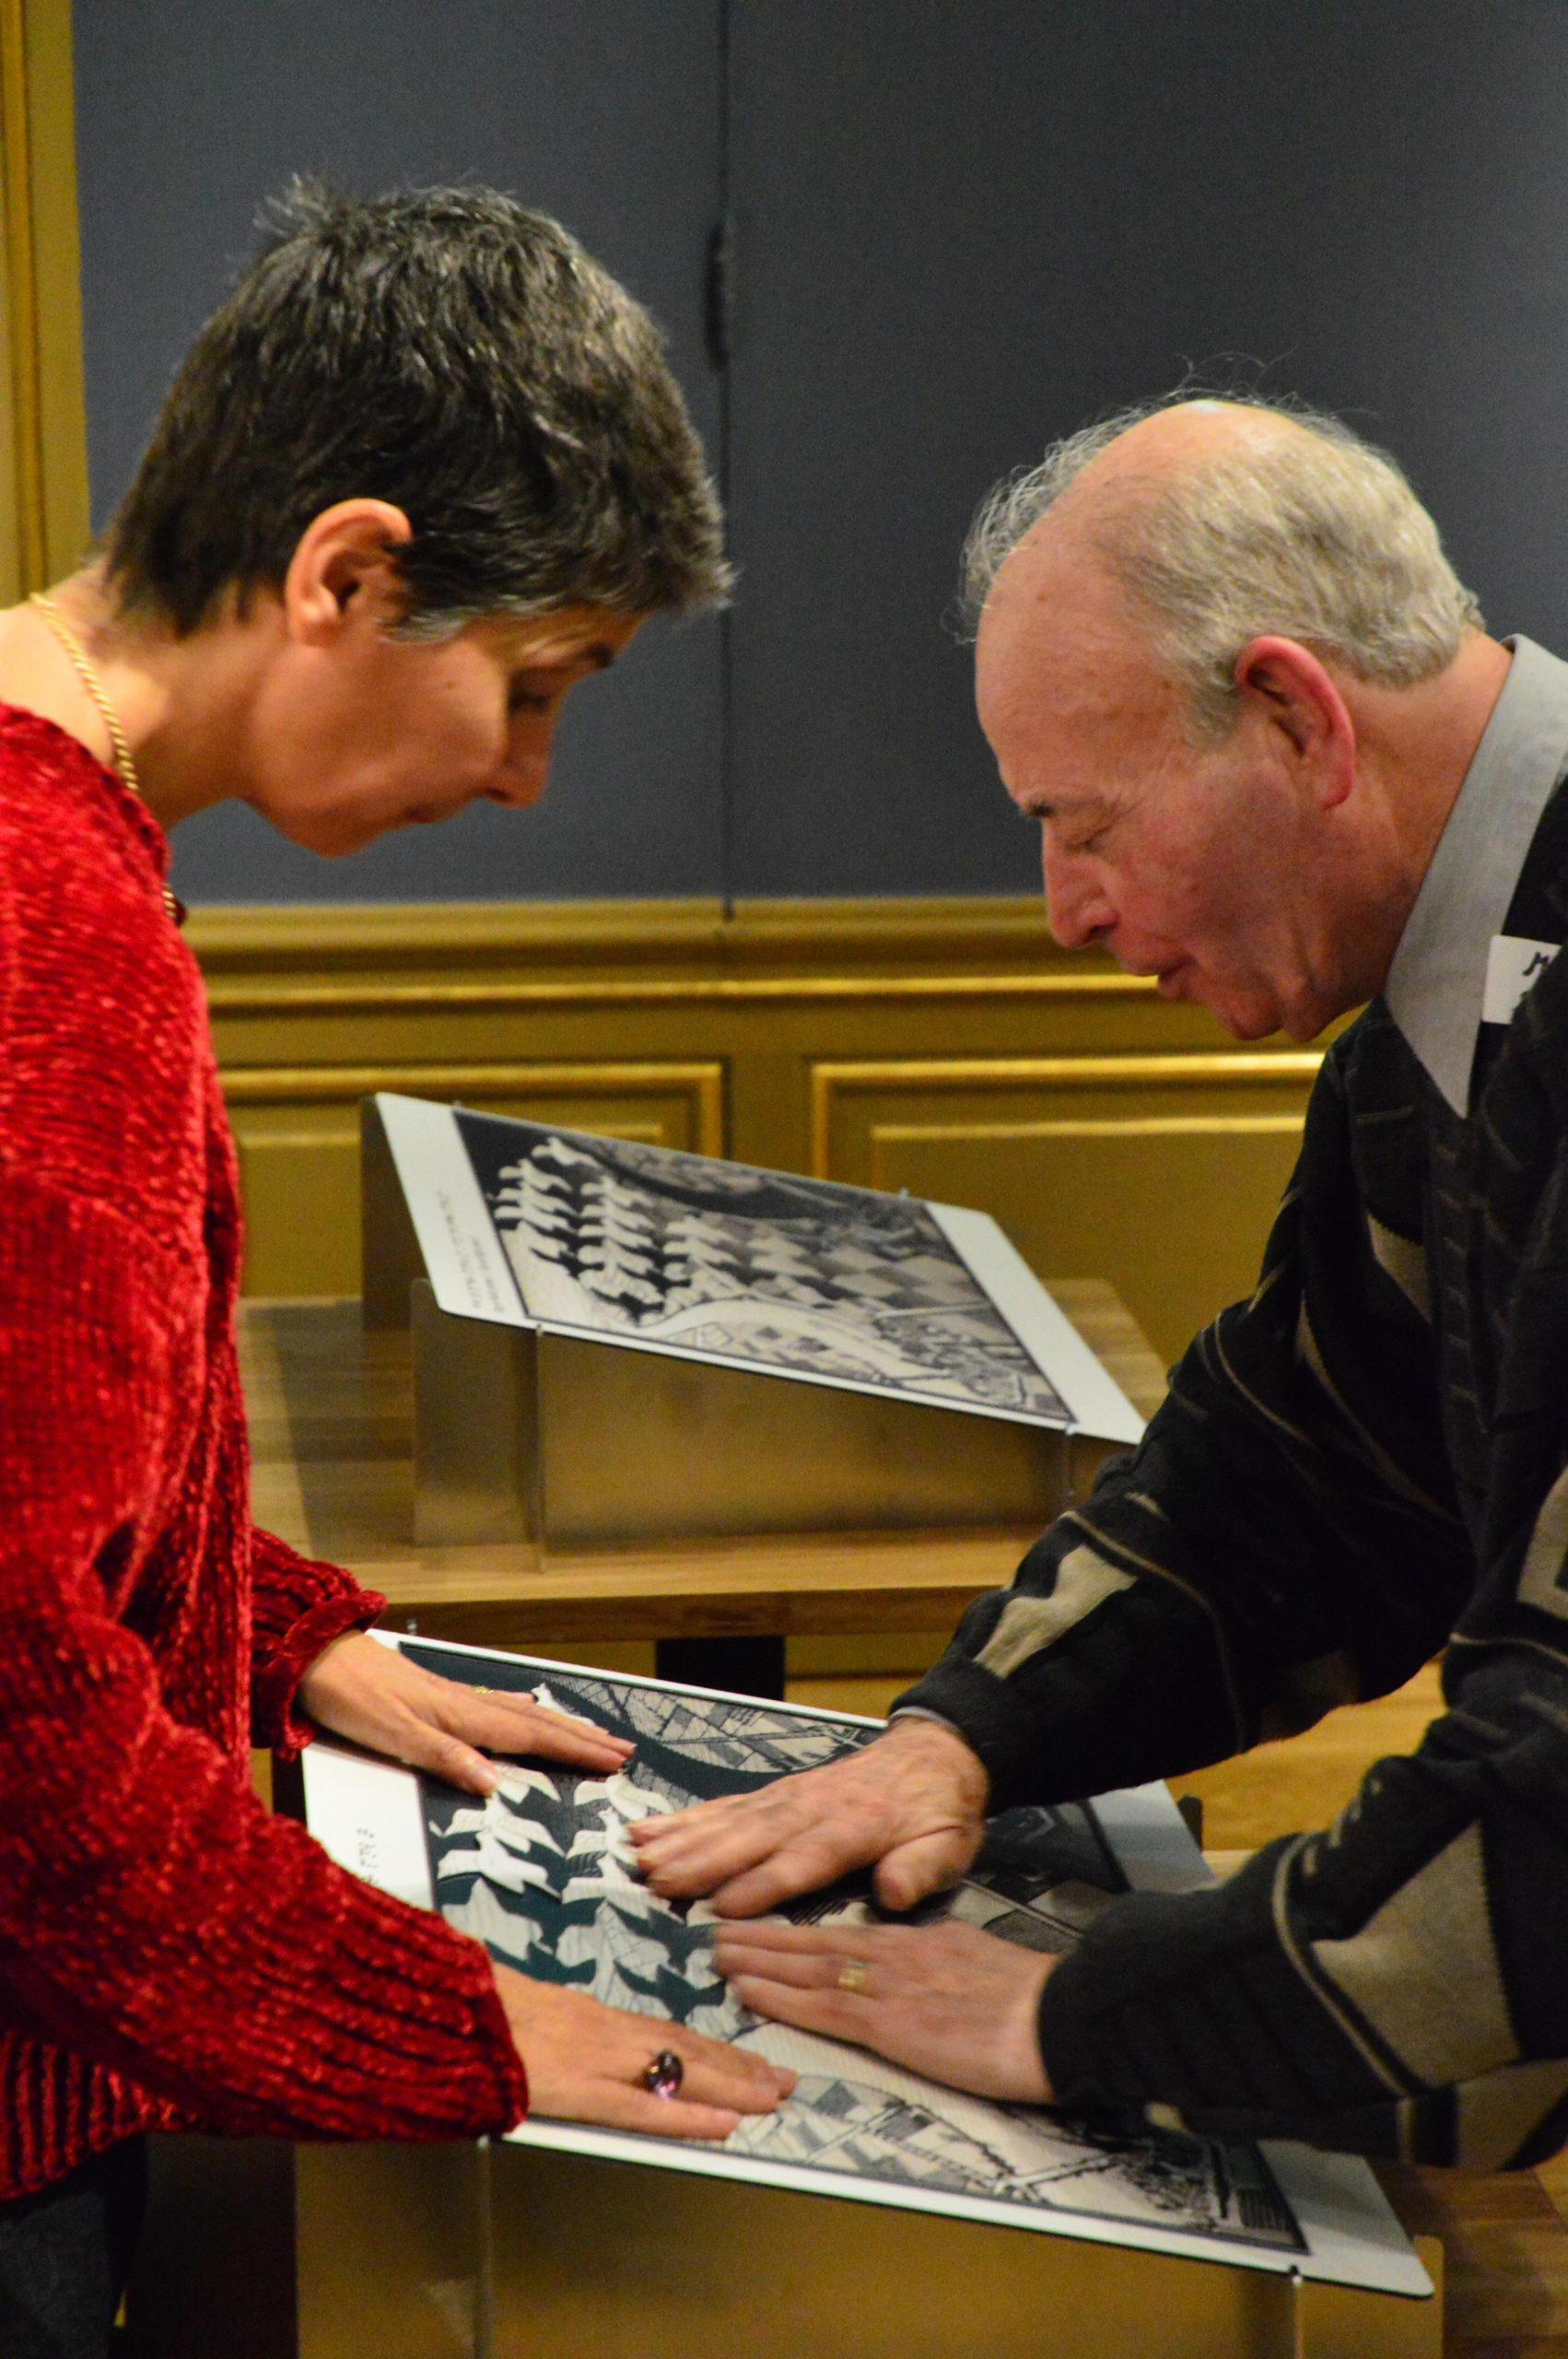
(170, 1954)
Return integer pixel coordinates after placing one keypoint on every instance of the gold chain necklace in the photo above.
(124, 766)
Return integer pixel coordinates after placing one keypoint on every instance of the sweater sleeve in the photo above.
(1395, 1986)
(297, 1606)
(1391, 1987)
(1287, 1538)
(153, 1917)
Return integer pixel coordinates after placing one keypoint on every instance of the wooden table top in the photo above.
(332, 1436)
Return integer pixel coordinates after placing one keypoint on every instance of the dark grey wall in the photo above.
(959, 231)
(964, 230)
(188, 112)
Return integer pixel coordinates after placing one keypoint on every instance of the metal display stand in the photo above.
(512, 2252)
(530, 1426)
(563, 2239)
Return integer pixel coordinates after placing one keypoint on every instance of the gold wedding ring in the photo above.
(855, 1974)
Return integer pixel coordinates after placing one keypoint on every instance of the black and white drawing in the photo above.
(542, 1872)
(608, 1238)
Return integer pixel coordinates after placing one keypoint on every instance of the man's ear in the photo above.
(1295, 695)
(344, 569)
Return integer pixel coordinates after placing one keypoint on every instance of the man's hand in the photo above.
(585, 2062)
(914, 1801)
(375, 1695)
(947, 2000)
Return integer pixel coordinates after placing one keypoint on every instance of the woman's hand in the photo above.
(586, 2062)
(375, 1695)
(914, 1802)
(947, 2000)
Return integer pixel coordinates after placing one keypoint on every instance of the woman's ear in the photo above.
(344, 571)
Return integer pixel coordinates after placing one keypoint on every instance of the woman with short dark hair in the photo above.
(422, 472)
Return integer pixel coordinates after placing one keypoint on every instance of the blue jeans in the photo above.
(65, 2254)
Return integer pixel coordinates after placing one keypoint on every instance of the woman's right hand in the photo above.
(585, 2062)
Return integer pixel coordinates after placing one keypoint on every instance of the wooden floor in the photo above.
(1505, 2255)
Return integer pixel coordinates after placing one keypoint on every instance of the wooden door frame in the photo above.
(44, 523)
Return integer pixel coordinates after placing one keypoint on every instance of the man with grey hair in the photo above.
(1279, 764)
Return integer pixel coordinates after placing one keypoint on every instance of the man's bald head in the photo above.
(1222, 521)
(1154, 446)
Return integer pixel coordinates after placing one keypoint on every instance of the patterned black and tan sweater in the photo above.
(1367, 1460)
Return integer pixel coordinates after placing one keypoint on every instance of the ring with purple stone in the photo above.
(664, 2073)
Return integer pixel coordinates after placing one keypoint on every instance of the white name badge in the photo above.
(1512, 965)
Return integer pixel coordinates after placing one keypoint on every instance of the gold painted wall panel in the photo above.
(1174, 1220)
(949, 1047)
(44, 469)
(297, 1134)
(1159, 1173)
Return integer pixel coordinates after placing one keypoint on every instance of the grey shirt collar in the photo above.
(1438, 979)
